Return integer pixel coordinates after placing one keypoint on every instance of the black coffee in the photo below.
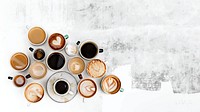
(89, 50)
(61, 87)
(56, 61)
(39, 54)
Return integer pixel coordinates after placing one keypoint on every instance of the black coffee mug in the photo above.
(88, 49)
(38, 54)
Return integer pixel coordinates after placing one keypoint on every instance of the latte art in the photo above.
(96, 68)
(34, 92)
(87, 88)
(110, 84)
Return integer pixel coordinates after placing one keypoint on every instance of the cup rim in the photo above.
(29, 61)
(92, 82)
(54, 84)
(42, 41)
(84, 42)
(32, 53)
(19, 76)
(46, 61)
(76, 48)
(45, 71)
(89, 72)
(117, 78)
(60, 48)
(30, 85)
(70, 70)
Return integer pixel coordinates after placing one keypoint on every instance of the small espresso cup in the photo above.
(111, 84)
(76, 66)
(36, 35)
(18, 80)
(19, 61)
(57, 41)
(55, 61)
(87, 88)
(38, 54)
(88, 49)
(62, 87)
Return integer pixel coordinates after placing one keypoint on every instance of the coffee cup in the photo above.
(96, 68)
(76, 66)
(19, 61)
(62, 87)
(34, 92)
(71, 49)
(37, 36)
(38, 54)
(87, 88)
(111, 84)
(57, 41)
(55, 61)
(18, 80)
(88, 49)
(37, 70)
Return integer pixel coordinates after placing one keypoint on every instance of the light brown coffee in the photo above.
(36, 35)
(37, 70)
(19, 61)
(87, 88)
(96, 68)
(76, 65)
(111, 84)
(34, 92)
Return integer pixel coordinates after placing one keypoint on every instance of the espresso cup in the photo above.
(37, 70)
(37, 36)
(76, 66)
(111, 84)
(88, 49)
(87, 88)
(55, 61)
(38, 54)
(34, 92)
(71, 49)
(62, 87)
(19, 61)
(18, 80)
(57, 41)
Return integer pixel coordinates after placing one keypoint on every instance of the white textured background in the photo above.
(158, 39)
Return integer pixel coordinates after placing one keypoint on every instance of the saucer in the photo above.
(61, 75)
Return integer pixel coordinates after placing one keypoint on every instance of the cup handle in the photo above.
(9, 77)
(27, 27)
(66, 36)
(100, 50)
(78, 42)
(31, 49)
(71, 93)
(80, 76)
(121, 90)
(28, 76)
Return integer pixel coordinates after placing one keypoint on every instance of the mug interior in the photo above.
(45, 38)
(55, 89)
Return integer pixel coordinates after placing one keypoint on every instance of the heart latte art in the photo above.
(56, 41)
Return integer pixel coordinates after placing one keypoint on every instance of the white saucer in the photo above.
(73, 87)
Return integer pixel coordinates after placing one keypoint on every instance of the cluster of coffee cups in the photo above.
(55, 61)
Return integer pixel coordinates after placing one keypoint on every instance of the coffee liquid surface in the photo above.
(56, 61)
(39, 54)
(36, 35)
(76, 65)
(19, 61)
(61, 87)
(89, 50)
